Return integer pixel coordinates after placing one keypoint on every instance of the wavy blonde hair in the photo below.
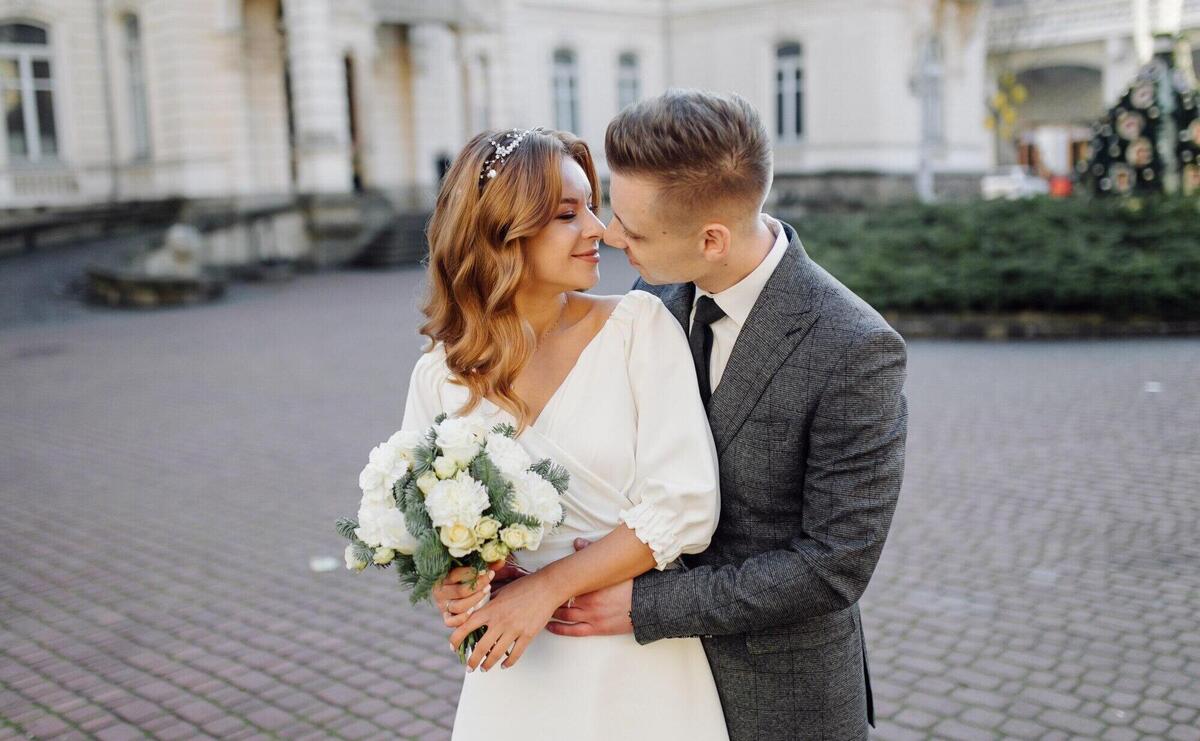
(477, 239)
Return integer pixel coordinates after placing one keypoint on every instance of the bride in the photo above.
(605, 386)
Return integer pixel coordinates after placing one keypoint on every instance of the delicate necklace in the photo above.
(541, 337)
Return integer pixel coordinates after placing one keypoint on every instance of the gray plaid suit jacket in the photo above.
(809, 420)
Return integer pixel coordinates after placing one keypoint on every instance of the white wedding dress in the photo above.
(628, 424)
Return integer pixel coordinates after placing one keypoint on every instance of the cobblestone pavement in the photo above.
(166, 477)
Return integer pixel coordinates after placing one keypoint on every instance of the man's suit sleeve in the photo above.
(854, 468)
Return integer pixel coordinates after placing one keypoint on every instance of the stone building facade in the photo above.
(121, 100)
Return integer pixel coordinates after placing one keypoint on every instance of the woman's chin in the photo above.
(591, 282)
(584, 280)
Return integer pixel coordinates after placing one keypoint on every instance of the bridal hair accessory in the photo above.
(502, 151)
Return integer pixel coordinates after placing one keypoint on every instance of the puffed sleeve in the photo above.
(676, 495)
(424, 401)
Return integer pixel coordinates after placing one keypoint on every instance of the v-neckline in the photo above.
(562, 384)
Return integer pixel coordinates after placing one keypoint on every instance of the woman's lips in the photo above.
(592, 257)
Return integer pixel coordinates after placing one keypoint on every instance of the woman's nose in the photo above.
(595, 227)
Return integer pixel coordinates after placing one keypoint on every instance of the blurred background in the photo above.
(212, 219)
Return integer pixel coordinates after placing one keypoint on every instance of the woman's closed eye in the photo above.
(570, 215)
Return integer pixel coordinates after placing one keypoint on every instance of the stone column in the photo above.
(438, 96)
(319, 103)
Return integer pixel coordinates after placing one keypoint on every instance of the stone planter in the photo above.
(134, 289)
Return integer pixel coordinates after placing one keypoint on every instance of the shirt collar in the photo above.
(737, 300)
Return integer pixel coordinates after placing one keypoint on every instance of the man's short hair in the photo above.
(706, 151)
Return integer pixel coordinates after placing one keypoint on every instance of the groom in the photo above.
(803, 384)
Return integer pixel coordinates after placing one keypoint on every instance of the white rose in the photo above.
(379, 496)
(387, 458)
(373, 477)
(487, 528)
(457, 441)
(460, 499)
(370, 517)
(407, 442)
(493, 551)
(508, 455)
(426, 482)
(444, 467)
(352, 560)
(459, 539)
(383, 556)
(479, 428)
(393, 532)
(515, 537)
(535, 537)
(537, 497)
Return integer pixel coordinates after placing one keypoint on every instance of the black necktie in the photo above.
(701, 340)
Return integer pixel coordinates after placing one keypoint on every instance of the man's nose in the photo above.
(611, 239)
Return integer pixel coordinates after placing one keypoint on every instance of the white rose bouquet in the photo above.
(458, 495)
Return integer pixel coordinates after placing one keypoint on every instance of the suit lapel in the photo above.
(780, 319)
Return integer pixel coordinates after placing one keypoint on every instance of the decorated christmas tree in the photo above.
(1149, 142)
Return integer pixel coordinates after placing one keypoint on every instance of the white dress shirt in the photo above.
(737, 301)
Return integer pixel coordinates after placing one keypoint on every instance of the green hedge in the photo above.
(1120, 258)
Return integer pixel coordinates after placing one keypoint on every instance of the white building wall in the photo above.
(388, 150)
(859, 58)
(266, 137)
(598, 33)
(439, 129)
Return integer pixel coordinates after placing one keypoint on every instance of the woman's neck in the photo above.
(542, 310)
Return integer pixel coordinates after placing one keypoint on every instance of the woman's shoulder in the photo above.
(431, 368)
(639, 317)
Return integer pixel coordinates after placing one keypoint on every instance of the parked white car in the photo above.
(1013, 182)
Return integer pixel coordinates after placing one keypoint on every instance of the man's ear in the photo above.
(716, 242)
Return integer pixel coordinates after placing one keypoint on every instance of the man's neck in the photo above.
(745, 254)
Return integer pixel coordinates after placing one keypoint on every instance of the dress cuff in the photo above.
(654, 528)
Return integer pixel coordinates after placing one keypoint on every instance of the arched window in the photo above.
(629, 82)
(789, 91)
(566, 91)
(27, 92)
(139, 111)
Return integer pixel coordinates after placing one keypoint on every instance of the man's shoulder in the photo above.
(842, 307)
(657, 290)
(839, 311)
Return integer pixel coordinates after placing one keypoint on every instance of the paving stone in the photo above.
(957, 731)
(982, 718)
(1023, 729)
(886, 732)
(1072, 722)
(913, 718)
(1184, 733)
(120, 732)
(1051, 698)
(980, 698)
(1151, 725)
